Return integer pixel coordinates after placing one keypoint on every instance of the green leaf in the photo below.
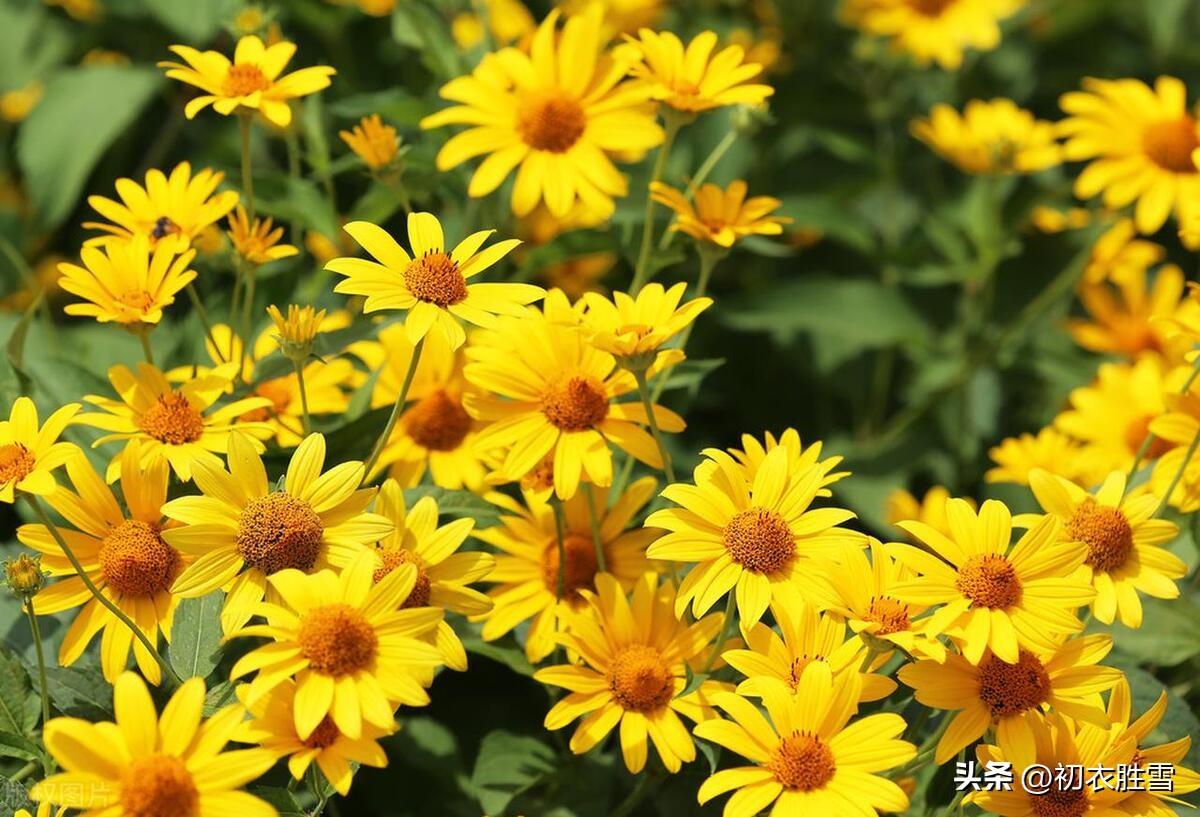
(18, 746)
(80, 692)
(196, 636)
(219, 695)
(456, 504)
(82, 112)
(13, 798)
(418, 26)
(301, 201)
(196, 21)
(506, 766)
(1168, 635)
(19, 705)
(505, 651)
(284, 801)
(32, 42)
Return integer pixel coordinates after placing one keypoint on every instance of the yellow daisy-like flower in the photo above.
(1138, 142)
(621, 16)
(930, 509)
(173, 424)
(634, 328)
(938, 31)
(748, 537)
(124, 555)
(1049, 450)
(536, 584)
(1131, 317)
(29, 452)
(558, 114)
(432, 285)
(1120, 715)
(352, 649)
(257, 240)
(990, 137)
(251, 82)
(241, 531)
(172, 210)
(635, 665)
(753, 452)
(272, 726)
(995, 594)
(372, 141)
(1005, 696)
(721, 217)
(692, 78)
(1119, 254)
(126, 282)
(809, 758)
(1123, 539)
(442, 572)
(150, 764)
(1174, 432)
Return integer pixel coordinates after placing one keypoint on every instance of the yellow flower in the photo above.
(172, 424)
(930, 509)
(104, 56)
(442, 573)
(809, 759)
(24, 575)
(255, 241)
(721, 217)
(938, 31)
(171, 210)
(1007, 696)
(692, 78)
(242, 531)
(509, 21)
(621, 16)
(634, 328)
(635, 665)
(86, 11)
(272, 726)
(432, 285)
(1050, 220)
(1049, 449)
(528, 569)
(1138, 142)
(345, 639)
(122, 553)
(126, 282)
(990, 137)
(146, 764)
(560, 114)
(16, 104)
(296, 332)
(1129, 318)
(30, 453)
(1118, 254)
(753, 453)
(251, 82)
(1124, 542)
(1183, 780)
(372, 141)
(994, 594)
(750, 535)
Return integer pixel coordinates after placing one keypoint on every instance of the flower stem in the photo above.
(560, 538)
(641, 272)
(706, 167)
(107, 603)
(644, 392)
(401, 398)
(303, 396)
(144, 336)
(44, 688)
(247, 176)
(1187, 458)
(198, 305)
(247, 318)
(594, 520)
(723, 636)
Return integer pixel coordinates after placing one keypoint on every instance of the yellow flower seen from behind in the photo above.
(257, 240)
(721, 217)
(372, 141)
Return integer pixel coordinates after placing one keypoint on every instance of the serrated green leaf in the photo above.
(196, 636)
(18, 746)
(507, 765)
(14, 797)
(19, 705)
(80, 692)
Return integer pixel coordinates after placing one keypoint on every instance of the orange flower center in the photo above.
(159, 786)
(324, 736)
(760, 540)
(640, 679)
(989, 581)
(1105, 531)
(280, 395)
(135, 561)
(391, 559)
(575, 403)
(438, 422)
(1059, 802)
(279, 531)
(436, 279)
(138, 300)
(1010, 689)
(16, 463)
(172, 420)
(801, 762)
(551, 121)
(889, 614)
(1170, 144)
(244, 79)
(579, 570)
(1135, 436)
(798, 665)
(337, 640)
(930, 8)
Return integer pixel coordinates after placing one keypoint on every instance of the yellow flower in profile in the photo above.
(1049, 450)
(432, 284)
(126, 282)
(179, 425)
(938, 31)
(1131, 317)
(528, 567)
(171, 210)
(1119, 254)
(747, 536)
(990, 137)
(1138, 142)
(29, 452)
(634, 328)
(242, 530)
(559, 127)
(296, 331)
(257, 240)
(635, 665)
(352, 649)
(1120, 714)
(124, 555)
(251, 82)
(809, 758)
(692, 78)
(17, 103)
(1006, 696)
(147, 764)
(1124, 542)
(721, 217)
(372, 141)
(929, 509)
(272, 726)
(995, 594)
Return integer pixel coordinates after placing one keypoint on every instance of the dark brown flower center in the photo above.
(575, 403)
(135, 561)
(279, 531)
(437, 422)
(1170, 144)
(1010, 689)
(579, 570)
(1105, 531)
(760, 540)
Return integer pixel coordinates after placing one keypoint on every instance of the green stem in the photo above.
(247, 317)
(247, 176)
(40, 512)
(144, 336)
(303, 396)
(865, 666)
(202, 313)
(234, 307)
(701, 175)
(642, 271)
(1187, 457)
(594, 521)
(382, 442)
(560, 534)
(24, 772)
(44, 688)
(644, 392)
(723, 636)
(628, 806)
